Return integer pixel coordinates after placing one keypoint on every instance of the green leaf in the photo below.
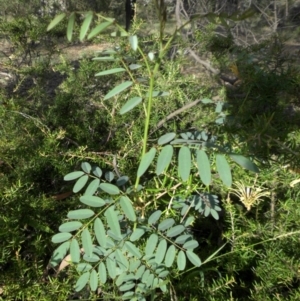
(111, 267)
(59, 253)
(87, 242)
(93, 280)
(134, 66)
(73, 175)
(184, 163)
(244, 162)
(70, 27)
(193, 258)
(130, 104)
(92, 187)
(127, 208)
(56, 21)
(204, 167)
(102, 273)
(83, 267)
(191, 244)
(70, 226)
(61, 237)
(82, 281)
(137, 234)
(161, 251)
(154, 217)
(146, 161)
(86, 167)
(206, 100)
(151, 56)
(110, 71)
(80, 183)
(97, 172)
(134, 264)
(175, 230)
(170, 256)
(166, 224)
(182, 238)
(121, 261)
(158, 93)
(150, 279)
(118, 89)
(85, 25)
(109, 176)
(100, 232)
(127, 286)
(80, 214)
(181, 261)
(112, 220)
(75, 251)
(128, 296)
(140, 271)
(133, 249)
(214, 214)
(109, 188)
(105, 58)
(166, 138)
(92, 201)
(133, 41)
(164, 159)
(100, 27)
(122, 181)
(224, 170)
(151, 244)
(92, 258)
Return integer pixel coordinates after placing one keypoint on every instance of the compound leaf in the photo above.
(191, 244)
(121, 260)
(137, 234)
(133, 249)
(111, 267)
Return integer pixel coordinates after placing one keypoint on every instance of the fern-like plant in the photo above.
(113, 238)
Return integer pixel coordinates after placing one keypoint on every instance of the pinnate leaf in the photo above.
(130, 104)
(70, 226)
(109, 188)
(164, 159)
(203, 165)
(170, 256)
(181, 261)
(56, 21)
(93, 280)
(98, 29)
(80, 183)
(85, 25)
(82, 281)
(75, 251)
(113, 222)
(161, 251)
(87, 242)
(73, 175)
(193, 258)
(100, 232)
(61, 237)
(244, 162)
(127, 208)
(92, 201)
(80, 214)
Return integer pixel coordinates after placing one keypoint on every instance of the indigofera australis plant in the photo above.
(116, 238)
